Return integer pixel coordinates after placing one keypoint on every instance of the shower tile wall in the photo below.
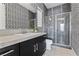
(50, 24)
(16, 16)
(66, 7)
(75, 27)
(62, 8)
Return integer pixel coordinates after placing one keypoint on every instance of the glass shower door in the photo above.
(62, 29)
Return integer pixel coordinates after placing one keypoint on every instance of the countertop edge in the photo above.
(6, 44)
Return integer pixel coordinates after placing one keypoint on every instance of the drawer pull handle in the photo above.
(34, 48)
(7, 53)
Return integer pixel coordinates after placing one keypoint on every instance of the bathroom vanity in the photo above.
(29, 44)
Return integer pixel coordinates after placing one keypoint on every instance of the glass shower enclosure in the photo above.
(62, 29)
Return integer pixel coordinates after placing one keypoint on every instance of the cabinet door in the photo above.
(41, 46)
(27, 48)
(10, 51)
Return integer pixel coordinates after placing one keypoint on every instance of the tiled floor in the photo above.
(59, 51)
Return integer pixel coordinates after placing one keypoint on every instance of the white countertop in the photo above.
(17, 38)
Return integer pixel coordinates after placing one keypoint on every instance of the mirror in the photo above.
(16, 18)
(20, 18)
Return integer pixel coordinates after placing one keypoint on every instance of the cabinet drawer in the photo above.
(10, 51)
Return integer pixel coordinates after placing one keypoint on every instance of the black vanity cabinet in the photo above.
(33, 47)
(10, 50)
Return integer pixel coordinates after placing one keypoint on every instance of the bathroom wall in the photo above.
(75, 27)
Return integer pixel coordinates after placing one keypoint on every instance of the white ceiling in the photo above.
(28, 6)
(50, 5)
(31, 8)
